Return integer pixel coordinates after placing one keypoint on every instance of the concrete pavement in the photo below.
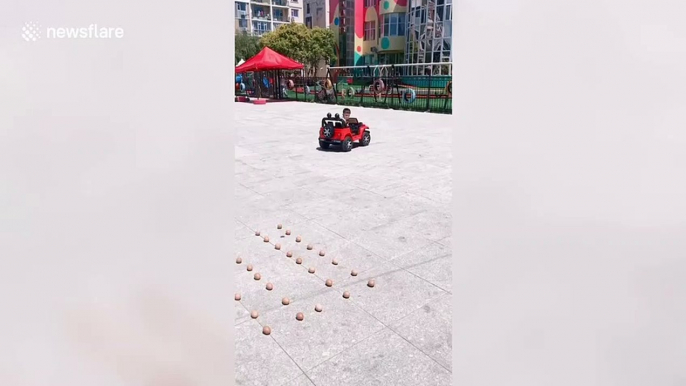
(382, 210)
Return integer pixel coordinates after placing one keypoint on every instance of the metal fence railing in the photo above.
(431, 93)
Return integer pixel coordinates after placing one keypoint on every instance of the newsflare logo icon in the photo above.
(31, 31)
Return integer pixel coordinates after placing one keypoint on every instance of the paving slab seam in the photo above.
(367, 338)
(292, 360)
(287, 354)
(298, 300)
(424, 262)
(252, 190)
(247, 319)
(422, 351)
(371, 335)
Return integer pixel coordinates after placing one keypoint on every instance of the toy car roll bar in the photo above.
(334, 119)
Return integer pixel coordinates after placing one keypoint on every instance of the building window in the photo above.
(394, 24)
(242, 6)
(369, 3)
(260, 27)
(294, 13)
(308, 8)
(370, 30)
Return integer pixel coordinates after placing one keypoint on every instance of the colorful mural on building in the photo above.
(351, 30)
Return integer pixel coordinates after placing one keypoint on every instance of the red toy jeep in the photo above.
(335, 131)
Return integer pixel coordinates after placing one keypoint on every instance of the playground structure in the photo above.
(381, 86)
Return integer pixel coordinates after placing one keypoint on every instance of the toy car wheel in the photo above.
(347, 144)
(323, 145)
(366, 138)
(329, 131)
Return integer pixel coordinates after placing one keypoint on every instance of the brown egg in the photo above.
(266, 330)
(257, 233)
(298, 239)
(353, 272)
(266, 239)
(329, 282)
(322, 253)
(299, 260)
(269, 286)
(258, 276)
(237, 296)
(254, 314)
(371, 283)
(285, 301)
(300, 316)
(310, 247)
(346, 295)
(279, 226)
(288, 232)
(249, 267)
(277, 246)
(334, 261)
(239, 260)
(318, 308)
(289, 254)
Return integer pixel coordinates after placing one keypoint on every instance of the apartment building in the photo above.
(317, 13)
(258, 17)
(391, 31)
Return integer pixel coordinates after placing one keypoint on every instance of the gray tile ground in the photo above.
(382, 210)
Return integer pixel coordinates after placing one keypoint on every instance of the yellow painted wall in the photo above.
(367, 45)
(395, 43)
(391, 6)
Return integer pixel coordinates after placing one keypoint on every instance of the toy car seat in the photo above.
(354, 125)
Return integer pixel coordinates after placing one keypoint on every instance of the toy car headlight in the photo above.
(328, 115)
(337, 116)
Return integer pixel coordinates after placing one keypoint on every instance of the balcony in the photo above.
(281, 17)
(260, 13)
(280, 3)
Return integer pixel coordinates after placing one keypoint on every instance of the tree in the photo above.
(290, 40)
(322, 42)
(246, 46)
(296, 41)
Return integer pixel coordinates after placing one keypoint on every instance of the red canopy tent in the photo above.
(268, 60)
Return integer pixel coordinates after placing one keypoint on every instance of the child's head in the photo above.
(346, 113)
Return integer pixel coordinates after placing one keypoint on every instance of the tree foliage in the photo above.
(322, 48)
(296, 41)
(246, 46)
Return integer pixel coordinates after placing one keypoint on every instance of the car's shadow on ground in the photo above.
(336, 149)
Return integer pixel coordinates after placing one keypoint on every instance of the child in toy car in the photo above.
(346, 114)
